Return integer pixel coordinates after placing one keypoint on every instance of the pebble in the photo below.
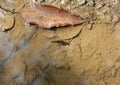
(64, 1)
(105, 18)
(38, 1)
(89, 26)
(50, 1)
(81, 2)
(2, 15)
(115, 18)
(116, 1)
(68, 7)
(91, 3)
(99, 5)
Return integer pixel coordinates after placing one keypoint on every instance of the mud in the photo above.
(29, 57)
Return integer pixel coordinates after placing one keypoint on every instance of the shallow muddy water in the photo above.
(86, 54)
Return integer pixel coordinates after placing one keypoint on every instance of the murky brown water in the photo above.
(28, 57)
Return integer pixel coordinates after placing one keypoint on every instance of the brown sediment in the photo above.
(64, 56)
(47, 16)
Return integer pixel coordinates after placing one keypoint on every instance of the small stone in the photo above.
(99, 5)
(3, 29)
(50, 1)
(64, 1)
(68, 7)
(115, 19)
(38, 1)
(89, 26)
(117, 65)
(116, 1)
(81, 2)
(91, 3)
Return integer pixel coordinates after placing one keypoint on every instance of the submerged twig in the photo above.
(67, 41)
(7, 10)
(5, 30)
(10, 11)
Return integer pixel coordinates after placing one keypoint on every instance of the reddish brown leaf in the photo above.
(47, 16)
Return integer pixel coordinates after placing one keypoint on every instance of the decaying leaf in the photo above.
(47, 16)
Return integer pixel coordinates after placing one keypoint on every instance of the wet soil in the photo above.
(29, 57)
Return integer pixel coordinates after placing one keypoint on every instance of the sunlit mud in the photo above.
(87, 54)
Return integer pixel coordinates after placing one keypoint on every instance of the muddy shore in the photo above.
(29, 57)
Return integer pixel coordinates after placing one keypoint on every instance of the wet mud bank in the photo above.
(86, 54)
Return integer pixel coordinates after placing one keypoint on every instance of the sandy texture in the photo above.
(28, 57)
